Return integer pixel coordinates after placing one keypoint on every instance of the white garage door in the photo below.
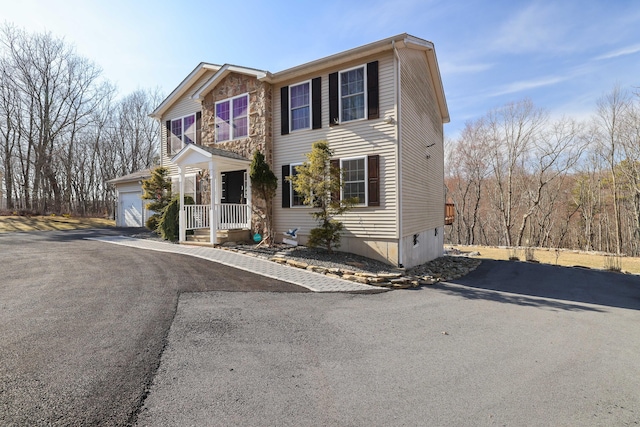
(131, 210)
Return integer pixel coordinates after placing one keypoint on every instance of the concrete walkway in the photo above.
(308, 279)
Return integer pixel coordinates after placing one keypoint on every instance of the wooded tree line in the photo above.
(63, 131)
(519, 177)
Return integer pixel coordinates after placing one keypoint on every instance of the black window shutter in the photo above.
(372, 90)
(284, 110)
(334, 115)
(286, 187)
(199, 128)
(316, 103)
(168, 127)
(335, 168)
(373, 168)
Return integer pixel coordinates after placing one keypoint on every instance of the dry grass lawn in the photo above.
(565, 257)
(49, 223)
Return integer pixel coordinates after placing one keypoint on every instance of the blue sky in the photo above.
(563, 55)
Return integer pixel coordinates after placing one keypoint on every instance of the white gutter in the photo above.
(396, 76)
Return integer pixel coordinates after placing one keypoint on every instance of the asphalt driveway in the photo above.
(89, 328)
(83, 323)
(500, 349)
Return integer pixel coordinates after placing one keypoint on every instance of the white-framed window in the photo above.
(296, 198)
(232, 118)
(354, 174)
(183, 132)
(353, 96)
(300, 106)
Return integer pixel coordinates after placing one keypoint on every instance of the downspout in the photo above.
(396, 77)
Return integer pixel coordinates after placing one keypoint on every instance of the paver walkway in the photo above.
(314, 281)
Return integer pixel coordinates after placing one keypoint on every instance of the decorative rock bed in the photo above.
(360, 269)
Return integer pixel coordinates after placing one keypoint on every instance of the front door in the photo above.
(233, 187)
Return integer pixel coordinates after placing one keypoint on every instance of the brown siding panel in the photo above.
(373, 168)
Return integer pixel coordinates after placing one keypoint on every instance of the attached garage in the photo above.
(130, 207)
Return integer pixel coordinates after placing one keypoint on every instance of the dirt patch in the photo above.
(10, 224)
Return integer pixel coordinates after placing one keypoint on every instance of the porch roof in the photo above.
(199, 156)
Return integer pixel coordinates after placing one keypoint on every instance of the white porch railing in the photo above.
(197, 216)
(231, 216)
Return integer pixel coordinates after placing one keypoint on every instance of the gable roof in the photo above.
(403, 40)
(199, 155)
(132, 177)
(224, 71)
(185, 85)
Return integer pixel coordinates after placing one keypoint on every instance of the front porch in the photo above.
(224, 190)
(233, 222)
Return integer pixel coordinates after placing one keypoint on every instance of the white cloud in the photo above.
(629, 50)
(531, 29)
(528, 84)
(451, 68)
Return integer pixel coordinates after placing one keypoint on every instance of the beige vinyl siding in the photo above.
(183, 107)
(352, 139)
(422, 167)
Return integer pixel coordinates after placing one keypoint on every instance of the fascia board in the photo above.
(182, 88)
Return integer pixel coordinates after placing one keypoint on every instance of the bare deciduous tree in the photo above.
(62, 135)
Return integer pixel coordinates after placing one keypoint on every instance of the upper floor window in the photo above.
(232, 118)
(354, 173)
(301, 106)
(300, 101)
(352, 94)
(182, 131)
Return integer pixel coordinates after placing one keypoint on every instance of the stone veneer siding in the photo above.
(260, 127)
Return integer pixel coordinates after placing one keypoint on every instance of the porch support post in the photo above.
(181, 218)
(248, 201)
(213, 218)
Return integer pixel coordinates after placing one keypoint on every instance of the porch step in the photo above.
(201, 235)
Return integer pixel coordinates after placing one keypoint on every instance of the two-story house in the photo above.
(380, 106)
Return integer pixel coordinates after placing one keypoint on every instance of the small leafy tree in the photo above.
(264, 183)
(158, 189)
(319, 183)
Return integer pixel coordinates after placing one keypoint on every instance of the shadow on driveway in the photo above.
(530, 282)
